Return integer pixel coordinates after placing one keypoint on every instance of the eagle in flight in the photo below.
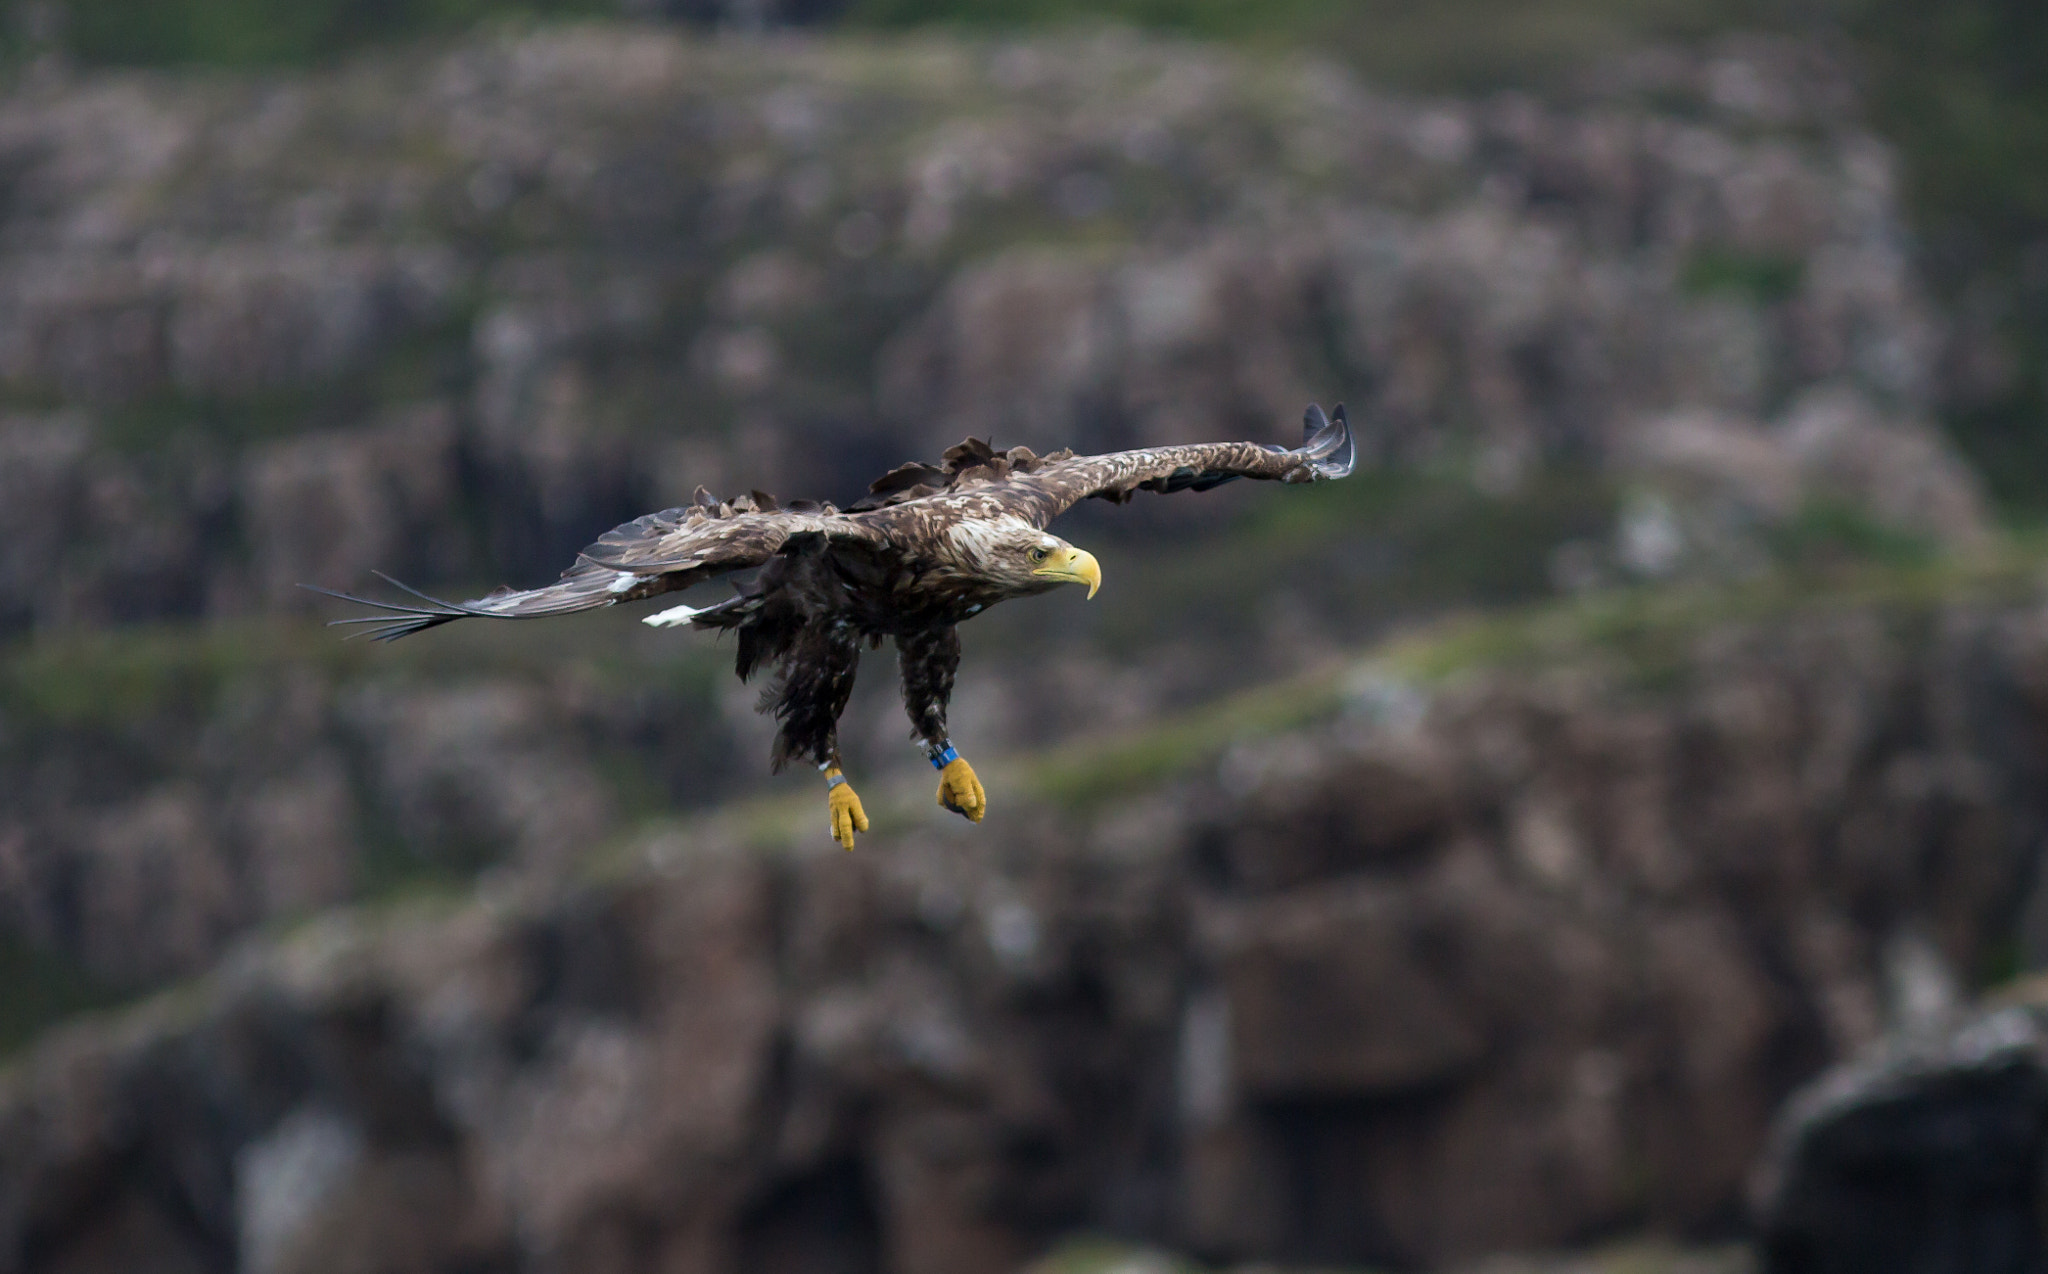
(929, 547)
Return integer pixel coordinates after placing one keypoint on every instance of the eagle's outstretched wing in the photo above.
(1327, 451)
(651, 555)
(978, 479)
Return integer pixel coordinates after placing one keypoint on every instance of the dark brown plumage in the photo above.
(930, 546)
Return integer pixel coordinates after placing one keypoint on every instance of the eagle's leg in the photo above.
(929, 658)
(815, 683)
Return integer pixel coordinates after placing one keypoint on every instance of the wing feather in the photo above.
(1327, 451)
(678, 547)
(659, 553)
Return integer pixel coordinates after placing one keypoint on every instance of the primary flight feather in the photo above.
(930, 546)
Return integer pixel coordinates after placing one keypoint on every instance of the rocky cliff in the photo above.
(446, 314)
(451, 313)
(1508, 939)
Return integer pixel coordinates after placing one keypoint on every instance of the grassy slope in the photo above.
(1431, 45)
(1643, 634)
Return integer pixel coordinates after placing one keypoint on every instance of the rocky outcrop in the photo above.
(1455, 967)
(165, 796)
(1923, 1154)
(513, 292)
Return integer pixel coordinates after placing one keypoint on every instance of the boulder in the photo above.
(1924, 1154)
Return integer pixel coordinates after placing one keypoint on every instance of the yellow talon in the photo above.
(847, 815)
(961, 792)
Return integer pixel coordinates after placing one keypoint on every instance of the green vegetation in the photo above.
(1446, 45)
(419, 366)
(38, 988)
(119, 680)
(115, 676)
(1826, 533)
(1645, 636)
(1449, 44)
(1381, 545)
(1086, 773)
(1960, 89)
(249, 33)
(151, 423)
(1765, 280)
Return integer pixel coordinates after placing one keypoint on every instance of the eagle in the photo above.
(928, 548)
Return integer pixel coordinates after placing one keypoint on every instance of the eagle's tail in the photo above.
(398, 619)
(584, 586)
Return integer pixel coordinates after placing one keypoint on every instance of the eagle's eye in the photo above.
(1037, 555)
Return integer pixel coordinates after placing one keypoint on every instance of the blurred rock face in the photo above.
(155, 811)
(1508, 967)
(1922, 1154)
(1451, 972)
(509, 294)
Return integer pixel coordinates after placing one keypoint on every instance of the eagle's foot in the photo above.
(961, 792)
(847, 815)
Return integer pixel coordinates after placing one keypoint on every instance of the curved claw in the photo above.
(847, 815)
(961, 792)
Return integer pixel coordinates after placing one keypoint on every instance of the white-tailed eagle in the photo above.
(930, 546)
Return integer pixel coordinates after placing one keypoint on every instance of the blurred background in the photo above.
(1604, 834)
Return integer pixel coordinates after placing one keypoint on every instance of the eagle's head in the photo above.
(1019, 559)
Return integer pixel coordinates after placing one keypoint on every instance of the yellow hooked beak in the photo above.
(1073, 566)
